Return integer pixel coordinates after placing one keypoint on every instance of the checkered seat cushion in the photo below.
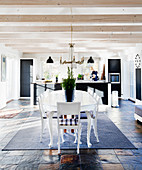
(68, 122)
(92, 115)
(84, 116)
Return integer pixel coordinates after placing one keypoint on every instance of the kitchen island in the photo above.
(101, 85)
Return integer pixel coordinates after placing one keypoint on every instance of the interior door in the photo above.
(138, 83)
(26, 77)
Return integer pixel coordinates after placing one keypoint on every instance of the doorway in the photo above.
(26, 76)
(138, 83)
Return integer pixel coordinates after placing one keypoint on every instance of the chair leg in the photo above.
(58, 141)
(88, 129)
(42, 128)
(75, 141)
(79, 133)
(88, 132)
(62, 135)
(95, 129)
(50, 130)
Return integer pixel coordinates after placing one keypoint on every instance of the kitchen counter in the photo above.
(101, 85)
(77, 81)
(90, 81)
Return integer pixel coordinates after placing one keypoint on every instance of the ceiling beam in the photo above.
(76, 36)
(64, 45)
(68, 29)
(129, 18)
(72, 3)
(36, 41)
(45, 50)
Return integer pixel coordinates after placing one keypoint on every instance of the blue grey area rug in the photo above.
(28, 138)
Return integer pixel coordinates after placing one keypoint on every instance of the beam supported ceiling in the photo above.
(44, 25)
(72, 3)
(137, 18)
(83, 28)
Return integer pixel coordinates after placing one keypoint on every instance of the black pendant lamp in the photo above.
(90, 60)
(49, 60)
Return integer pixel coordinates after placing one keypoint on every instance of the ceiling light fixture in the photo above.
(90, 60)
(49, 60)
(71, 50)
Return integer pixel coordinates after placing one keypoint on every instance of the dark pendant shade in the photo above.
(49, 60)
(90, 60)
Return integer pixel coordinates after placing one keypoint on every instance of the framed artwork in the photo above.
(3, 68)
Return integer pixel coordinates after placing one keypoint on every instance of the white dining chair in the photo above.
(69, 109)
(46, 92)
(95, 95)
(100, 94)
(94, 116)
(45, 115)
(101, 107)
(90, 90)
(42, 115)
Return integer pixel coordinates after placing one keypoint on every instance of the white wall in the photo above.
(11, 87)
(13, 78)
(125, 78)
(2, 94)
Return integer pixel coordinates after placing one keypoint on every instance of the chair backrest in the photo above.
(95, 95)
(47, 91)
(99, 93)
(98, 100)
(90, 90)
(41, 108)
(68, 108)
(97, 104)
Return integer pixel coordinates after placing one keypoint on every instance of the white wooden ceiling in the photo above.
(44, 26)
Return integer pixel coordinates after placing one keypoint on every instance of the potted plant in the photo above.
(68, 84)
(79, 76)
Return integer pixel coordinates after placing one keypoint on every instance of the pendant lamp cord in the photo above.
(71, 41)
(71, 26)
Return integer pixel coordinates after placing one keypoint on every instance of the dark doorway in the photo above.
(26, 77)
(138, 83)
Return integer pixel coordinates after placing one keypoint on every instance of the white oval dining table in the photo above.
(87, 101)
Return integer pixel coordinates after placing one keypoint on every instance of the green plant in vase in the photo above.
(68, 84)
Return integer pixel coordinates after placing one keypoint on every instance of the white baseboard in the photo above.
(137, 117)
(24, 98)
(132, 99)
